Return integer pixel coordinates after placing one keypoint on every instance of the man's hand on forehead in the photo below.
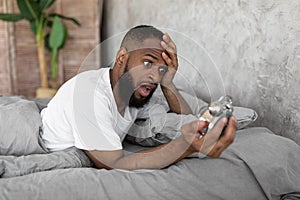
(170, 57)
(168, 44)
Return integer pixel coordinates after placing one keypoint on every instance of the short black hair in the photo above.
(138, 34)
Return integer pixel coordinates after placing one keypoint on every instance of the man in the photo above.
(94, 110)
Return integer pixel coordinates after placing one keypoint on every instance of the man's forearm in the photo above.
(176, 102)
(155, 158)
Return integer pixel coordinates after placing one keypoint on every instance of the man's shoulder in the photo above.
(90, 74)
(91, 81)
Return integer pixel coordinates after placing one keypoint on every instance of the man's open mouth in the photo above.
(145, 89)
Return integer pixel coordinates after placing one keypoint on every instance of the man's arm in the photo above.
(166, 154)
(176, 102)
(154, 158)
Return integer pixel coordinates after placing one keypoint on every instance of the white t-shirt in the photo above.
(84, 114)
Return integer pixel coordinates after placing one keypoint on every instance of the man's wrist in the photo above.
(189, 148)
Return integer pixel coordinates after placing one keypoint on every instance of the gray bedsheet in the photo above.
(258, 165)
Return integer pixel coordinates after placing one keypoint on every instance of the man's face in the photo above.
(144, 70)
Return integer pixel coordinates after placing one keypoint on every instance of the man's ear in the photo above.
(122, 56)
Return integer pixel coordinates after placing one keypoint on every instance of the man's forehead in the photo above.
(152, 43)
(149, 43)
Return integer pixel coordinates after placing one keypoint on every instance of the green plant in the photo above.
(48, 28)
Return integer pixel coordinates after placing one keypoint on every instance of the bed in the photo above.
(258, 165)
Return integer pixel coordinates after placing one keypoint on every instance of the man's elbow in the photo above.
(100, 164)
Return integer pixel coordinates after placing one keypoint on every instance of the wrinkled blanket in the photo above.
(258, 165)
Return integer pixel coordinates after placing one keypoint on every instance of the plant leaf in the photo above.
(29, 9)
(65, 36)
(75, 21)
(44, 4)
(14, 17)
(33, 27)
(56, 41)
(57, 34)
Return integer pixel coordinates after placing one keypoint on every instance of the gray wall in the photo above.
(248, 49)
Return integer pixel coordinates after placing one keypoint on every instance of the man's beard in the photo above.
(127, 89)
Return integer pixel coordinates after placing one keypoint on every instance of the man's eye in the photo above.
(147, 64)
(163, 69)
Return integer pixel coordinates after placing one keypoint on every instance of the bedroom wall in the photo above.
(252, 47)
(5, 70)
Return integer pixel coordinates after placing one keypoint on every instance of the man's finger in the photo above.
(216, 131)
(167, 59)
(229, 132)
(171, 51)
(169, 46)
(171, 61)
(225, 140)
(169, 41)
(211, 138)
(202, 125)
(194, 127)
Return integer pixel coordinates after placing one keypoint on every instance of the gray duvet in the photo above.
(258, 165)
